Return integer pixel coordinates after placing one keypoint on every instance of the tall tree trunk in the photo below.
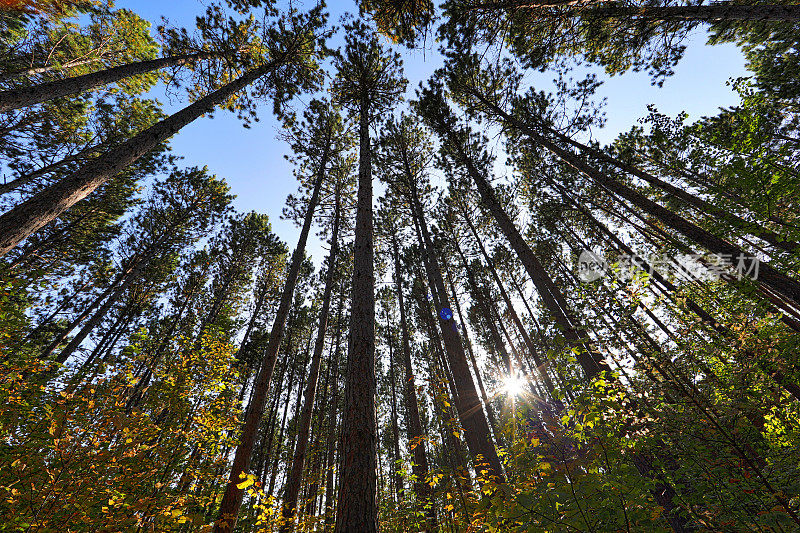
(295, 475)
(541, 366)
(61, 306)
(138, 389)
(50, 68)
(395, 467)
(357, 506)
(88, 310)
(548, 291)
(266, 447)
(107, 342)
(62, 236)
(315, 470)
(276, 455)
(229, 508)
(129, 274)
(671, 291)
(43, 92)
(468, 344)
(24, 179)
(484, 306)
(760, 271)
(416, 442)
(717, 12)
(686, 197)
(261, 297)
(332, 426)
(44, 206)
(468, 404)
(95, 320)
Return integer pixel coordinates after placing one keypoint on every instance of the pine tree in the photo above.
(368, 82)
(289, 62)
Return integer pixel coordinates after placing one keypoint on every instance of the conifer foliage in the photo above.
(488, 320)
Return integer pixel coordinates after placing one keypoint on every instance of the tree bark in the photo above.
(295, 475)
(276, 455)
(43, 92)
(671, 290)
(467, 402)
(548, 291)
(357, 506)
(52, 167)
(416, 442)
(6, 76)
(231, 501)
(702, 205)
(718, 12)
(715, 12)
(124, 278)
(541, 366)
(468, 344)
(332, 426)
(395, 467)
(96, 318)
(483, 306)
(43, 207)
(759, 271)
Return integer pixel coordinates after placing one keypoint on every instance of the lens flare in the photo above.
(514, 385)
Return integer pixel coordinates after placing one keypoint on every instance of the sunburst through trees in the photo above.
(497, 314)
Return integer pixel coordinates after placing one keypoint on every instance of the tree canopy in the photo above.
(486, 319)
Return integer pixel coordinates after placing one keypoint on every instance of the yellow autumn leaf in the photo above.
(244, 484)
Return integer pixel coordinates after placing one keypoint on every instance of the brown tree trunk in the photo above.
(467, 402)
(96, 318)
(357, 506)
(135, 265)
(718, 12)
(43, 92)
(106, 342)
(318, 453)
(468, 344)
(44, 206)
(397, 458)
(229, 508)
(416, 442)
(295, 475)
(332, 426)
(266, 447)
(714, 12)
(670, 290)
(760, 271)
(541, 367)
(276, 455)
(50, 68)
(484, 306)
(548, 291)
(688, 198)
(137, 390)
(52, 167)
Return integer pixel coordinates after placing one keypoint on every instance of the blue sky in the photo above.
(252, 162)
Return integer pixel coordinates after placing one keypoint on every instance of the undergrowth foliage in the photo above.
(454, 363)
